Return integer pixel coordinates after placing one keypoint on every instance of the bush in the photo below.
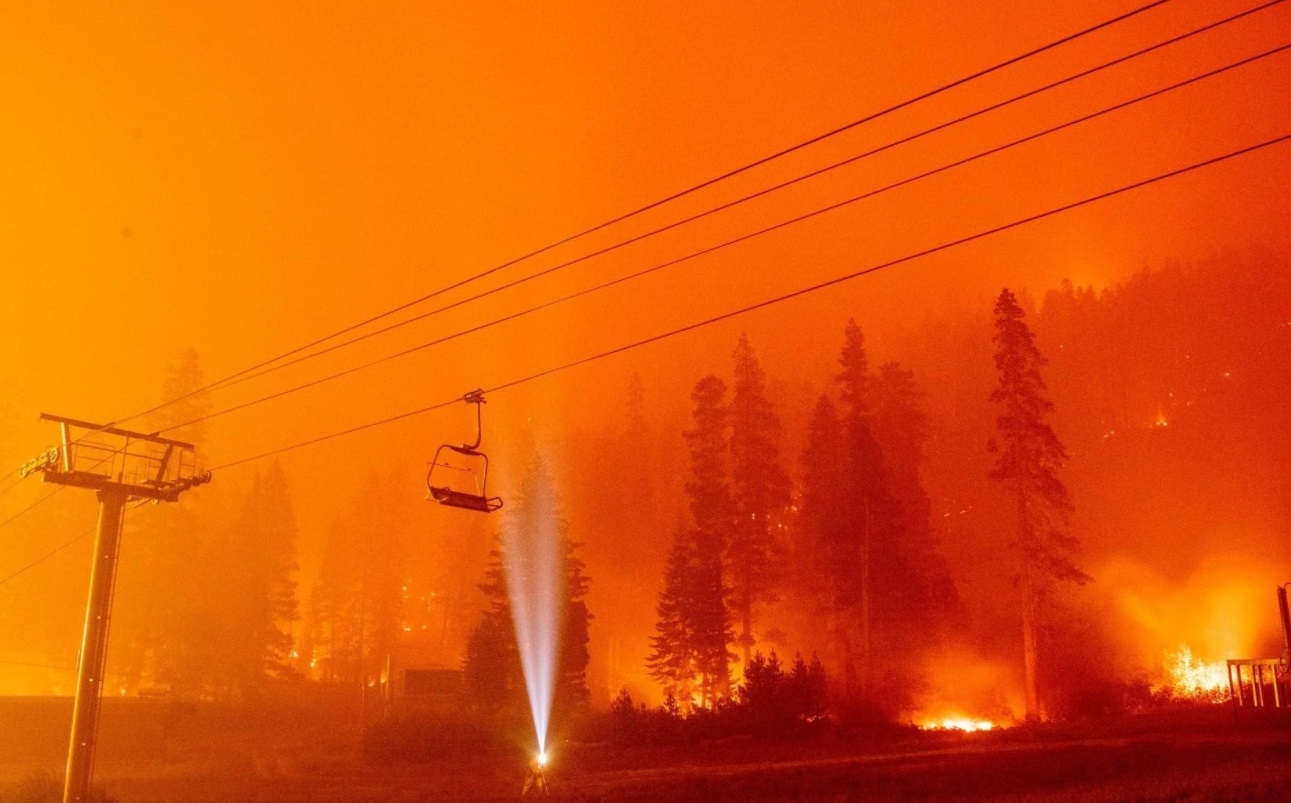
(770, 703)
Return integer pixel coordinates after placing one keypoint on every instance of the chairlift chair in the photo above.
(480, 501)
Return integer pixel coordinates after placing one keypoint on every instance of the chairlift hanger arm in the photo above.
(475, 397)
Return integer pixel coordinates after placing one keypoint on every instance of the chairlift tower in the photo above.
(120, 466)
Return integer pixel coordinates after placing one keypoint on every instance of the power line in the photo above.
(279, 364)
(654, 204)
(42, 500)
(727, 243)
(13, 484)
(46, 556)
(788, 296)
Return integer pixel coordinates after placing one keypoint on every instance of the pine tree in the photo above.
(710, 505)
(279, 548)
(382, 527)
(817, 689)
(1029, 456)
(825, 554)
(258, 600)
(707, 489)
(926, 594)
(356, 604)
(672, 661)
(186, 403)
(167, 604)
(760, 491)
(623, 504)
(333, 607)
(864, 500)
(492, 668)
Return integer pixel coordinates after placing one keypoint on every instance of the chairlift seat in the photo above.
(480, 501)
(451, 498)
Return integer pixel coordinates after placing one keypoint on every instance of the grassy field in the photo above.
(295, 755)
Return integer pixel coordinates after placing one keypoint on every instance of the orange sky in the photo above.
(242, 179)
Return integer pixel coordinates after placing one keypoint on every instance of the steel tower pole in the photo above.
(94, 648)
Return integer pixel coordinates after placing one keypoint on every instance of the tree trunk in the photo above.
(1029, 652)
(1030, 656)
(746, 641)
(746, 617)
(865, 598)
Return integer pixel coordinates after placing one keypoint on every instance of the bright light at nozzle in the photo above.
(542, 759)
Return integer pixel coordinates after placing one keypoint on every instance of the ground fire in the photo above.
(966, 724)
(1192, 679)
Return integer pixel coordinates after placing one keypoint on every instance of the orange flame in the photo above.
(965, 724)
(1189, 678)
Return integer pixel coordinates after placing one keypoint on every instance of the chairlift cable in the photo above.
(46, 556)
(785, 297)
(728, 243)
(42, 500)
(662, 201)
(32, 506)
(255, 373)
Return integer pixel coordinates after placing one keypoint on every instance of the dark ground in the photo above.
(307, 753)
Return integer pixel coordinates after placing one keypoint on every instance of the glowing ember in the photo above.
(958, 724)
(1190, 678)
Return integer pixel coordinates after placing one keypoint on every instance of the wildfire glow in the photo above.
(1189, 677)
(958, 724)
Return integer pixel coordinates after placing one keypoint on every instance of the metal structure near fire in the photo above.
(1264, 682)
(120, 466)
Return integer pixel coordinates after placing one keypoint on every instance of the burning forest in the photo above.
(394, 410)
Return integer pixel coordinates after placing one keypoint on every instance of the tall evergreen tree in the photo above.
(332, 626)
(621, 507)
(258, 602)
(926, 595)
(673, 661)
(167, 605)
(356, 604)
(864, 499)
(710, 505)
(760, 491)
(1029, 456)
(708, 489)
(825, 553)
(492, 668)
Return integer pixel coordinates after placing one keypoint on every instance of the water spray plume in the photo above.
(533, 554)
